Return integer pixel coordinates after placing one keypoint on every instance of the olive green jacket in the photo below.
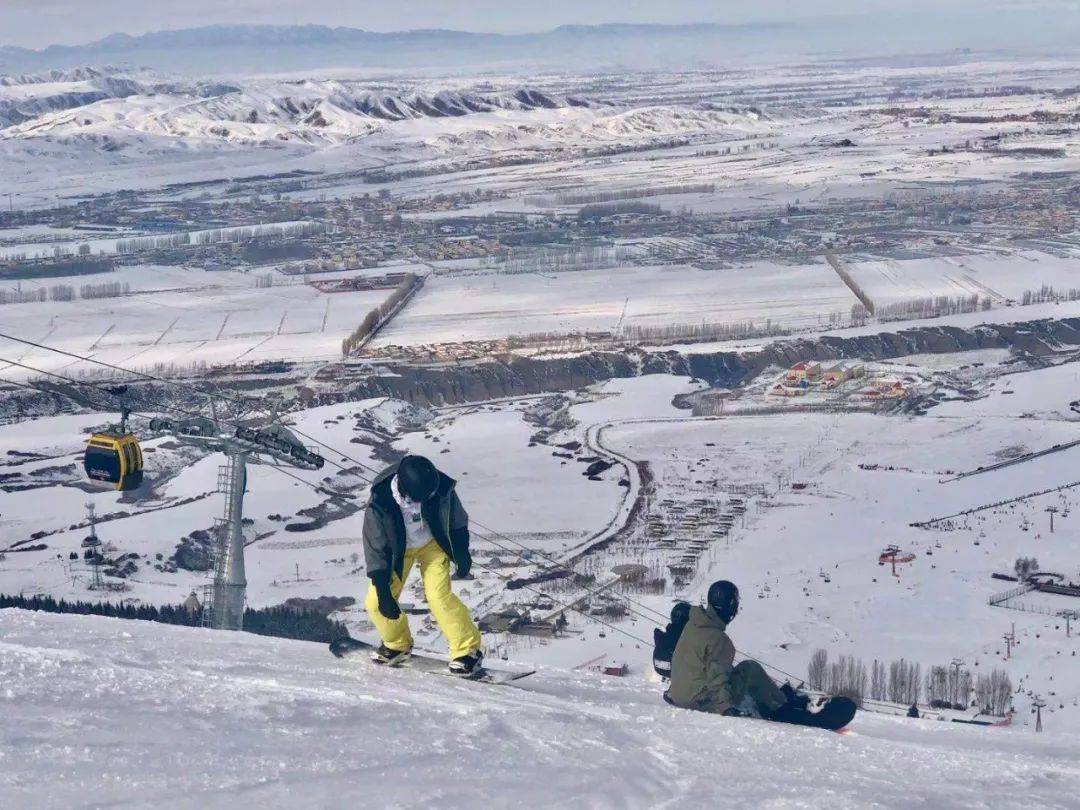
(702, 663)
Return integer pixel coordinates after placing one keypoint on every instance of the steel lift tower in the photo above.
(223, 602)
(93, 547)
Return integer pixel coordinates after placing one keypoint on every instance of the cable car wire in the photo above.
(660, 617)
(487, 530)
(486, 535)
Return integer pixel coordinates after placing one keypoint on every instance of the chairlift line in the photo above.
(489, 532)
(251, 434)
(197, 427)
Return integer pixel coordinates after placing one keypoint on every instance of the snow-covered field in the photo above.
(868, 476)
(185, 317)
(837, 529)
(484, 307)
(103, 712)
(997, 277)
(508, 486)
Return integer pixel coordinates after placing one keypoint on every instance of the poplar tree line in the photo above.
(376, 317)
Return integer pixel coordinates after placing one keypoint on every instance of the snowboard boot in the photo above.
(468, 666)
(834, 715)
(391, 658)
(794, 697)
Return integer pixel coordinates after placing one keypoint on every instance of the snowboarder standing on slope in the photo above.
(415, 516)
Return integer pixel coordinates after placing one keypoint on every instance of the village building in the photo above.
(843, 371)
(805, 370)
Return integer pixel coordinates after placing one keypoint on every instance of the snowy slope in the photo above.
(101, 123)
(256, 113)
(88, 104)
(104, 712)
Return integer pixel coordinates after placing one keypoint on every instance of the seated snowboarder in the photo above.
(703, 674)
(664, 641)
(415, 516)
(704, 678)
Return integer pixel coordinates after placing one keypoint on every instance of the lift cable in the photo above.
(320, 488)
(487, 537)
(488, 531)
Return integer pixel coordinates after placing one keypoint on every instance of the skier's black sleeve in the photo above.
(459, 534)
(377, 553)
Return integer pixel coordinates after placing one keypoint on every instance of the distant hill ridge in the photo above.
(291, 47)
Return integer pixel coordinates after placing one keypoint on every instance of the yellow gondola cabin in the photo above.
(114, 458)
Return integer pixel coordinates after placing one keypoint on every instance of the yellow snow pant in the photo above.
(449, 612)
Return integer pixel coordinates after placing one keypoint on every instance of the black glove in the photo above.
(388, 605)
(464, 565)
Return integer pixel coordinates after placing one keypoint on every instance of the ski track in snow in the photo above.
(101, 712)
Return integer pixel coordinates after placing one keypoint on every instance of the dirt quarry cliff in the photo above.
(494, 378)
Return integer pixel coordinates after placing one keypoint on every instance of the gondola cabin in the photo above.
(114, 458)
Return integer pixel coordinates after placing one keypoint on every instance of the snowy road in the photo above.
(100, 712)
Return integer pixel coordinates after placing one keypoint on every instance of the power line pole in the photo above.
(1010, 639)
(1038, 703)
(956, 663)
(93, 546)
(1069, 616)
(1052, 510)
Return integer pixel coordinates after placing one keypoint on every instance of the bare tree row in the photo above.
(376, 317)
(584, 198)
(1047, 293)
(901, 682)
(564, 259)
(238, 235)
(932, 307)
(698, 332)
(65, 292)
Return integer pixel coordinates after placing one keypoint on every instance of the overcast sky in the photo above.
(36, 23)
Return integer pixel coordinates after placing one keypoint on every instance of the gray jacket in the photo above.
(702, 663)
(384, 526)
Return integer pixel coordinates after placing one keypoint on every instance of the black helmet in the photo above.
(680, 613)
(724, 599)
(417, 478)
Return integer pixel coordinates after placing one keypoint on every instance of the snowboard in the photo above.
(424, 662)
(835, 713)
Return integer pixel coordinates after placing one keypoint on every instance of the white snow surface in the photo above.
(492, 306)
(101, 712)
(186, 317)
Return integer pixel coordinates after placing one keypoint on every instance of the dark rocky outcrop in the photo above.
(524, 375)
(520, 376)
(193, 552)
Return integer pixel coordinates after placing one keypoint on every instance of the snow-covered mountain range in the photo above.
(114, 110)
